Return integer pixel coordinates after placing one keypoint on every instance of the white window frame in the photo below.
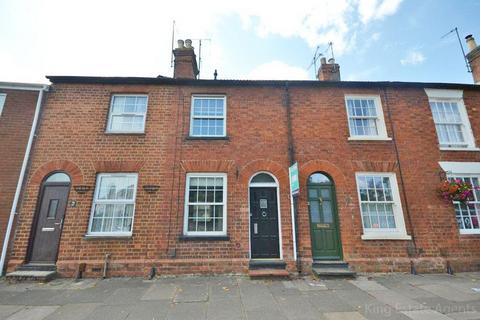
(3, 98)
(462, 169)
(187, 202)
(447, 95)
(110, 114)
(380, 120)
(96, 201)
(400, 232)
(192, 117)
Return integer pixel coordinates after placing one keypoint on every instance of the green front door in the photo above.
(323, 218)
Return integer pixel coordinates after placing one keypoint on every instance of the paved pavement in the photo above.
(394, 296)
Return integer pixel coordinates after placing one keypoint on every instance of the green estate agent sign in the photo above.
(294, 183)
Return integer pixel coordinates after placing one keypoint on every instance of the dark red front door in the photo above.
(51, 212)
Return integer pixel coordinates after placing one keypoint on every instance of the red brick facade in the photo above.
(15, 124)
(72, 139)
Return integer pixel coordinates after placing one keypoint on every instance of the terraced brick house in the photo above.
(181, 175)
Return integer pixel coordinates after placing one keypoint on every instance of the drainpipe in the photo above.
(22, 172)
(291, 159)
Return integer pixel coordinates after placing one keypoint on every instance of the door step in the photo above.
(266, 268)
(268, 273)
(31, 276)
(37, 267)
(332, 269)
(266, 264)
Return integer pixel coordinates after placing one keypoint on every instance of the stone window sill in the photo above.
(385, 236)
(106, 237)
(203, 238)
(459, 149)
(207, 138)
(369, 139)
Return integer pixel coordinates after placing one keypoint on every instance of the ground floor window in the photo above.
(113, 204)
(205, 204)
(380, 206)
(468, 214)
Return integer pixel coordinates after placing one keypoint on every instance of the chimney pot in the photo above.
(180, 44)
(188, 43)
(323, 60)
(331, 61)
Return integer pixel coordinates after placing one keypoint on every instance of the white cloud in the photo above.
(118, 37)
(377, 9)
(413, 57)
(277, 70)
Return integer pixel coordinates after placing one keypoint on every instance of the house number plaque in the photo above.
(323, 225)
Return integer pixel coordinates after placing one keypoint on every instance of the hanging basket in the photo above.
(456, 190)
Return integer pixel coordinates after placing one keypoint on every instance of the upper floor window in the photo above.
(113, 204)
(451, 119)
(365, 118)
(3, 97)
(127, 114)
(208, 116)
(380, 206)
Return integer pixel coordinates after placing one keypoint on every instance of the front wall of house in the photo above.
(72, 138)
(15, 123)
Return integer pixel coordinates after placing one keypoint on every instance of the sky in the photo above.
(373, 40)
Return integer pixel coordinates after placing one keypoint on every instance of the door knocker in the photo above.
(264, 214)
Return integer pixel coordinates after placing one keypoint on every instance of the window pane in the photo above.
(363, 117)
(58, 177)
(468, 214)
(128, 113)
(208, 118)
(263, 178)
(116, 214)
(205, 204)
(52, 209)
(376, 202)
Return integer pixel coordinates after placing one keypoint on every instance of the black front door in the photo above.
(264, 223)
(50, 215)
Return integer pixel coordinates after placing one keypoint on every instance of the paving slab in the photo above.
(33, 313)
(468, 315)
(159, 291)
(449, 292)
(129, 295)
(397, 301)
(266, 314)
(76, 311)
(225, 308)
(344, 316)
(368, 285)
(117, 312)
(7, 310)
(191, 293)
(149, 310)
(328, 301)
(425, 315)
(296, 307)
(187, 311)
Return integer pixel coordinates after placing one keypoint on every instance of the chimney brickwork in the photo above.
(473, 57)
(185, 66)
(328, 71)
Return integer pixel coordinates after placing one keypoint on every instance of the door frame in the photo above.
(265, 185)
(36, 215)
(335, 210)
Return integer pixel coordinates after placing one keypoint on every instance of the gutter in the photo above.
(41, 89)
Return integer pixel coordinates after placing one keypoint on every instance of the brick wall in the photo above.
(72, 137)
(15, 123)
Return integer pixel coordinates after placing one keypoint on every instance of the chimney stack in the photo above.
(328, 71)
(473, 57)
(185, 66)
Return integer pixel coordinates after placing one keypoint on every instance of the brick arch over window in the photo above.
(58, 165)
(329, 168)
(276, 169)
